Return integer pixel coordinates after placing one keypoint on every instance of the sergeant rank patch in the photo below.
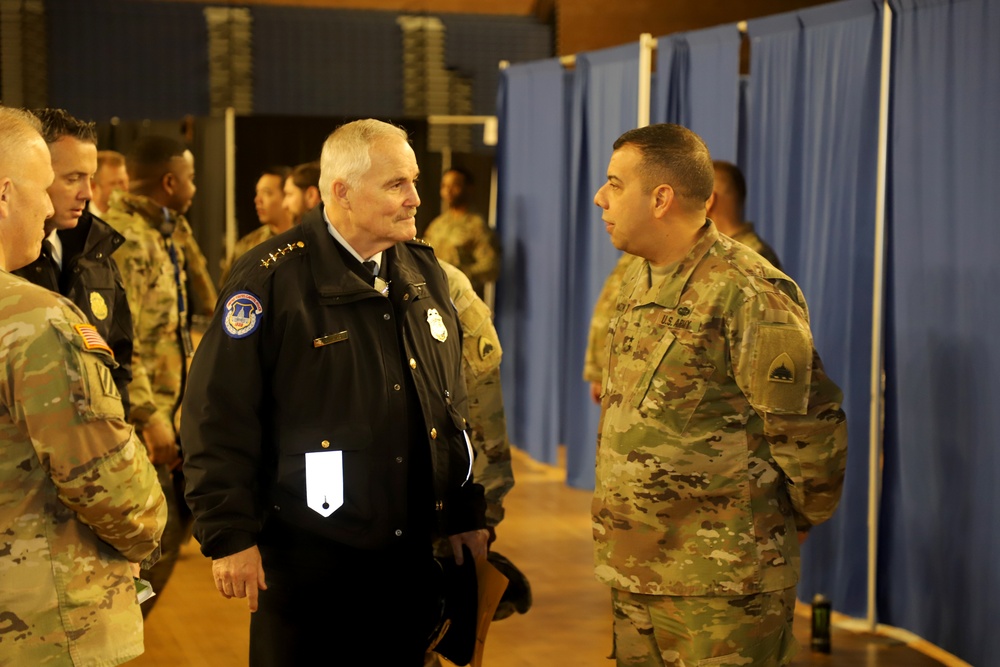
(243, 315)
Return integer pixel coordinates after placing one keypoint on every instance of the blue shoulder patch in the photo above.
(243, 315)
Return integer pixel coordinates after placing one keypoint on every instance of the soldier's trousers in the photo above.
(665, 631)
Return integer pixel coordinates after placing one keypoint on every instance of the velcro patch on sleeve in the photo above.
(781, 372)
(92, 340)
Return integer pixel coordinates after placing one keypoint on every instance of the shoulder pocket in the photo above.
(323, 439)
(88, 366)
(781, 369)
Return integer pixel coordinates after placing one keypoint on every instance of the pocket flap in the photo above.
(326, 439)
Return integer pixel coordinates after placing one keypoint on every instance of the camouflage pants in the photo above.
(664, 631)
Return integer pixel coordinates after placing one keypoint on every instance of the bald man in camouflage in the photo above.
(721, 437)
(79, 499)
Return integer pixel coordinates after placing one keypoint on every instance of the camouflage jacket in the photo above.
(597, 339)
(748, 237)
(155, 296)
(251, 240)
(487, 420)
(78, 497)
(720, 433)
(466, 241)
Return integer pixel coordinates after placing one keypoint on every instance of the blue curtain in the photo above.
(940, 524)
(531, 221)
(292, 44)
(133, 60)
(812, 121)
(605, 105)
(696, 84)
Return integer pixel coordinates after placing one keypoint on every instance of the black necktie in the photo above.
(370, 265)
(49, 253)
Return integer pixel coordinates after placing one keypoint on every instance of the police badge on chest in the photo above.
(436, 324)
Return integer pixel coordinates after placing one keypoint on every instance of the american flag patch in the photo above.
(91, 339)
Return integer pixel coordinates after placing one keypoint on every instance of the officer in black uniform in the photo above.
(324, 421)
(76, 255)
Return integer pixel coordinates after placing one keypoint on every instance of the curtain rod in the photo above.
(570, 60)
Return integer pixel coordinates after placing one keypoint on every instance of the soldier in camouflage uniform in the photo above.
(594, 364)
(725, 208)
(461, 237)
(721, 436)
(487, 420)
(79, 499)
(273, 217)
(159, 249)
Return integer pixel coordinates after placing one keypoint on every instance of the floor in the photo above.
(547, 534)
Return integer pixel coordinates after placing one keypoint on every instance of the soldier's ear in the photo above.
(168, 182)
(663, 197)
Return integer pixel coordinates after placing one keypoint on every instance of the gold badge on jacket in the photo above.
(98, 306)
(436, 323)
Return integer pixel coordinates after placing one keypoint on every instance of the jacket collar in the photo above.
(160, 218)
(100, 236)
(669, 294)
(332, 276)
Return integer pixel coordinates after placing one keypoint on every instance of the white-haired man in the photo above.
(325, 417)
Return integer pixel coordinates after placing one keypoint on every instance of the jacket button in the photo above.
(398, 532)
(399, 459)
(413, 362)
(396, 387)
(325, 444)
(406, 297)
(99, 255)
(434, 434)
(386, 316)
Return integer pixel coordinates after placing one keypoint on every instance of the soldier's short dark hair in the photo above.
(58, 123)
(279, 170)
(306, 175)
(674, 155)
(150, 156)
(734, 176)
